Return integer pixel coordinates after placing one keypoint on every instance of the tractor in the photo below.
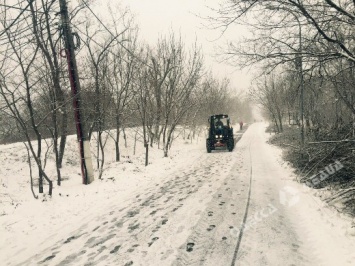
(220, 134)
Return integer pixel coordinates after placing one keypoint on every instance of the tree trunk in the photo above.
(280, 123)
(31, 178)
(117, 141)
(146, 154)
(56, 153)
(118, 155)
(124, 137)
(98, 150)
(101, 169)
(63, 137)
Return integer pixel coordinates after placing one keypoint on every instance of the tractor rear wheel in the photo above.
(230, 144)
(208, 146)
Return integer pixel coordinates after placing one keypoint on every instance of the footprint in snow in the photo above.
(190, 246)
(47, 259)
(93, 229)
(210, 213)
(153, 240)
(69, 239)
(116, 248)
(211, 227)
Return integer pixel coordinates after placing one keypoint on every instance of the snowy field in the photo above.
(186, 209)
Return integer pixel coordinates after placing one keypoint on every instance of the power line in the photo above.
(18, 8)
(100, 45)
(13, 22)
(28, 25)
(139, 59)
(15, 34)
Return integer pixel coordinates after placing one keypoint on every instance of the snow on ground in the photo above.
(182, 210)
(27, 224)
(287, 224)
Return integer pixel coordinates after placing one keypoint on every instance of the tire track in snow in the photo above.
(269, 237)
(211, 237)
(241, 232)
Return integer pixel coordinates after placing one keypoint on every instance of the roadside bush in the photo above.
(316, 156)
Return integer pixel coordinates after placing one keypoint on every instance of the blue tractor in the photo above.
(220, 134)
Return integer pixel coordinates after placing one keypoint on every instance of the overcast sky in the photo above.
(156, 18)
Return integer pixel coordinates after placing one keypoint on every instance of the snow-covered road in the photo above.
(238, 208)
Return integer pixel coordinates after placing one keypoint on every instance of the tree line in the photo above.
(305, 53)
(298, 46)
(125, 83)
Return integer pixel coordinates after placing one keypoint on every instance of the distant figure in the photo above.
(219, 123)
(241, 125)
(219, 126)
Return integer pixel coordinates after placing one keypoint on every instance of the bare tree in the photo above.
(181, 82)
(161, 62)
(331, 21)
(142, 100)
(46, 37)
(270, 93)
(120, 81)
(99, 67)
(18, 89)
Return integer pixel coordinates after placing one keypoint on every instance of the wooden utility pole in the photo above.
(84, 143)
